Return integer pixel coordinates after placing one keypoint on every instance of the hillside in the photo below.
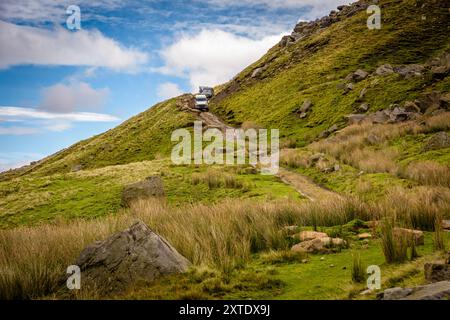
(271, 91)
(364, 119)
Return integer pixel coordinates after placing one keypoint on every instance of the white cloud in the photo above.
(37, 46)
(73, 96)
(17, 131)
(212, 56)
(17, 113)
(318, 7)
(168, 90)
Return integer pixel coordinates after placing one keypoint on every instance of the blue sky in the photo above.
(58, 86)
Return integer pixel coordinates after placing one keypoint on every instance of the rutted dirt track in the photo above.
(302, 184)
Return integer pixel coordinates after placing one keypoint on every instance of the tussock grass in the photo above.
(34, 259)
(293, 159)
(358, 269)
(428, 173)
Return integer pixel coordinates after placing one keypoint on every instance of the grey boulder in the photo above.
(134, 254)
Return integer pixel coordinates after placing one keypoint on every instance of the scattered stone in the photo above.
(395, 293)
(337, 167)
(305, 261)
(362, 93)
(411, 106)
(410, 70)
(355, 118)
(257, 72)
(331, 265)
(307, 104)
(417, 235)
(359, 75)
(348, 87)
(309, 246)
(310, 235)
(439, 140)
(363, 107)
(336, 242)
(373, 139)
(437, 271)
(366, 292)
(77, 168)
(364, 235)
(384, 69)
(151, 187)
(434, 291)
(329, 131)
(322, 258)
(446, 224)
(134, 254)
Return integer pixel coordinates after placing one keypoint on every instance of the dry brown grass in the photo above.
(437, 123)
(293, 159)
(428, 173)
(34, 259)
(223, 235)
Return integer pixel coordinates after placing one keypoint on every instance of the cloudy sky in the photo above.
(58, 86)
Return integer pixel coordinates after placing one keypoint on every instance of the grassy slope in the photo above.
(313, 67)
(145, 136)
(35, 199)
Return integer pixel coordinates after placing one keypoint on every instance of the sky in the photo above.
(59, 85)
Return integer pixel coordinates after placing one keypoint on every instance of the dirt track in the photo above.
(302, 184)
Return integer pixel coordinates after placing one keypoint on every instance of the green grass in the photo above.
(323, 276)
(300, 72)
(33, 199)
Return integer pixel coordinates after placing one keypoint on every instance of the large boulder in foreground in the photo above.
(134, 254)
(151, 187)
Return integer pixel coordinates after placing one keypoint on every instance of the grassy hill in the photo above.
(315, 67)
(229, 220)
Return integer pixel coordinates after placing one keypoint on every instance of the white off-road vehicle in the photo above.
(201, 102)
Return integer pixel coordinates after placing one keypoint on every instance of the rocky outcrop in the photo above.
(305, 108)
(434, 291)
(395, 114)
(132, 255)
(439, 140)
(305, 29)
(151, 187)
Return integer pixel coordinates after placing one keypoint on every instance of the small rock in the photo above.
(439, 140)
(395, 293)
(438, 271)
(366, 292)
(307, 104)
(362, 93)
(305, 261)
(349, 87)
(384, 69)
(77, 168)
(434, 291)
(257, 72)
(363, 107)
(364, 235)
(151, 187)
(446, 224)
(359, 75)
(322, 258)
(331, 265)
(310, 235)
(337, 167)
